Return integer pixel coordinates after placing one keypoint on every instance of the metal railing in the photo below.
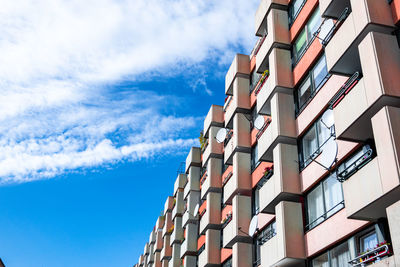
(228, 137)
(344, 90)
(262, 130)
(324, 216)
(267, 236)
(355, 166)
(371, 256)
(226, 179)
(227, 103)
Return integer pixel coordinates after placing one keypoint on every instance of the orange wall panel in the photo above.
(226, 253)
(259, 172)
(395, 5)
(201, 241)
(302, 18)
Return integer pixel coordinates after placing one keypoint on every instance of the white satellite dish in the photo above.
(196, 210)
(253, 226)
(328, 119)
(221, 135)
(329, 153)
(259, 122)
(326, 28)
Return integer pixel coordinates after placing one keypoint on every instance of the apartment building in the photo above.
(300, 167)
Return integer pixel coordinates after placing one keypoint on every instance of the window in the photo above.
(254, 116)
(339, 256)
(262, 237)
(306, 36)
(368, 241)
(294, 9)
(312, 83)
(254, 78)
(227, 263)
(254, 157)
(323, 201)
(311, 143)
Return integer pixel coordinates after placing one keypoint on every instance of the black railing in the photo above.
(262, 130)
(228, 102)
(228, 137)
(226, 221)
(324, 41)
(201, 249)
(344, 90)
(267, 236)
(324, 216)
(360, 162)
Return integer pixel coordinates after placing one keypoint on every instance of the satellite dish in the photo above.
(253, 225)
(259, 122)
(326, 28)
(196, 210)
(221, 135)
(328, 119)
(329, 153)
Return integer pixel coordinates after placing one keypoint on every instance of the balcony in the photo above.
(239, 101)
(277, 37)
(236, 229)
(263, 11)
(157, 259)
(377, 88)
(159, 241)
(166, 252)
(193, 158)
(180, 183)
(240, 180)
(141, 260)
(240, 138)
(169, 204)
(240, 67)
(286, 248)
(212, 253)
(193, 181)
(189, 245)
(375, 186)
(211, 182)
(160, 222)
(211, 216)
(215, 117)
(175, 260)
(367, 16)
(192, 201)
(146, 250)
(177, 234)
(179, 206)
(282, 128)
(213, 149)
(168, 225)
(190, 261)
(284, 184)
(280, 79)
(332, 8)
(152, 238)
(150, 257)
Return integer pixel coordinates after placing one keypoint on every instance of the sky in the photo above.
(100, 102)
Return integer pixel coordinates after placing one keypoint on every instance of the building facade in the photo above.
(300, 167)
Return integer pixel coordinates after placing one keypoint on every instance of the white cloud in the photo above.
(59, 59)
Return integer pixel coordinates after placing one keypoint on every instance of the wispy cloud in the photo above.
(60, 59)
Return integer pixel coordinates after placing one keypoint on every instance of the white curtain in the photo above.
(315, 206)
(340, 256)
(333, 194)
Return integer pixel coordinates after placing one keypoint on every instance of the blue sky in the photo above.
(99, 103)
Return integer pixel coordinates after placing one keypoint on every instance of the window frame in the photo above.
(293, 16)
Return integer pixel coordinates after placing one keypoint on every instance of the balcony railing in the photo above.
(325, 216)
(203, 178)
(228, 137)
(201, 249)
(370, 257)
(260, 83)
(226, 178)
(324, 41)
(204, 145)
(262, 130)
(345, 89)
(267, 236)
(226, 220)
(258, 45)
(360, 162)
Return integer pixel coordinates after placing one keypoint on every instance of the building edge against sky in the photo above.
(300, 167)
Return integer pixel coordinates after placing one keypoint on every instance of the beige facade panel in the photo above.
(213, 149)
(192, 201)
(376, 186)
(168, 224)
(175, 261)
(190, 261)
(280, 78)
(377, 88)
(166, 252)
(211, 219)
(285, 182)
(393, 215)
(152, 237)
(177, 234)
(242, 255)
(159, 241)
(193, 158)
(282, 128)
(215, 117)
(240, 182)
(193, 181)
(179, 207)
(240, 140)
(189, 245)
(146, 249)
(286, 248)
(236, 229)
(160, 222)
(211, 256)
(213, 182)
(240, 67)
(366, 16)
(239, 101)
(262, 12)
(180, 182)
